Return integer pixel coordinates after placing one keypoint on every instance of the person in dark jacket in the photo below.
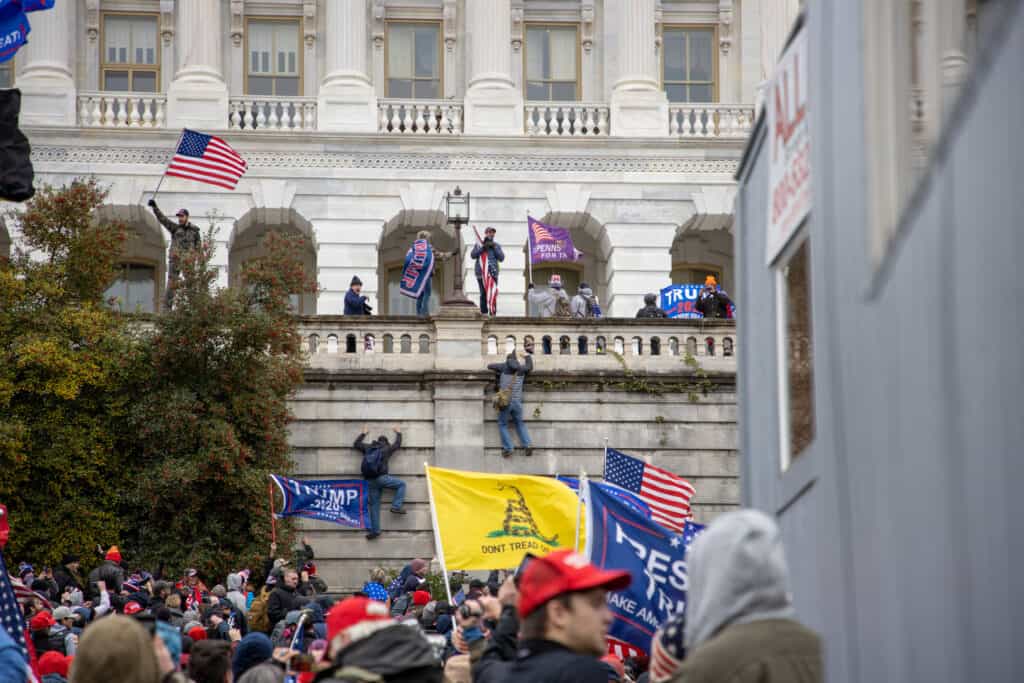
(495, 255)
(364, 641)
(185, 236)
(284, 598)
(377, 481)
(500, 653)
(110, 572)
(564, 620)
(68, 576)
(16, 172)
(740, 623)
(713, 302)
(355, 302)
(651, 309)
(513, 376)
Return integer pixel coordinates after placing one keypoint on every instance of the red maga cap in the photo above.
(563, 571)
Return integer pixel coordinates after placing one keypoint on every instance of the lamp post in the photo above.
(457, 212)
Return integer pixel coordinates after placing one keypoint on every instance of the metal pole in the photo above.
(579, 510)
(439, 548)
(168, 165)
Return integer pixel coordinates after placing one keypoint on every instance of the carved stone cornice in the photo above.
(237, 22)
(380, 13)
(725, 26)
(309, 22)
(451, 26)
(415, 161)
(517, 26)
(587, 25)
(92, 20)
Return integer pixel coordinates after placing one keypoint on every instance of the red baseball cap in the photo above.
(563, 571)
(41, 620)
(352, 611)
(420, 597)
(132, 608)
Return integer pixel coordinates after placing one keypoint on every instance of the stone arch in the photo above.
(589, 236)
(247, 243)
(142, 277)
(397, 236)
(697, 253)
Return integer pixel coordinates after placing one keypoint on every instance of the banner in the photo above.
(680, 301)
(490, 521)
(14, 25)
(550, 243)
(419, 265)
(620, 537)
(342, 501)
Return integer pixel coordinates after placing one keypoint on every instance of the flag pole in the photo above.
(168, 165)
(437, 534)
(579, 510)
(529, 256)
(273, 519)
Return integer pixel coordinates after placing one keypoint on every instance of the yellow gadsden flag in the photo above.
(490, 521)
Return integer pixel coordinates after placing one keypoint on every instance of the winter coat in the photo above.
(545, 300)
(651, 311)
(397, 653)
(16, 173)
(544, 661)
(495, 255)
(583, 305)
(513, 375)
(182, 236)
(66, 578)
(54, 678)
(496, 662)
(58, 640)
(354, 303)
(713, 303)
(740, 623)
(235, 596)
(282, 600)
(109, 572)
(382, 442)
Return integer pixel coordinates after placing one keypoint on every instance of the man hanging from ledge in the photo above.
(374, 469)
(184, 236)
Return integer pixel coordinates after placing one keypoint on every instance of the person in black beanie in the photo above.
(68, 576)
(355, 302)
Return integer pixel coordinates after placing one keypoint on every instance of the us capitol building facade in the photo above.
(621, 120)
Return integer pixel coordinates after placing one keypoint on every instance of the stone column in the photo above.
(346, 102)
(639, 107)
(45, 69)
(494, 106)
(198, 95)
(636, 270)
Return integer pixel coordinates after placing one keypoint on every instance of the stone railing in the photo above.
(575, 119)
(412, 344)
(122, 110)
(411, 117)
(287, 114)
(710, 120)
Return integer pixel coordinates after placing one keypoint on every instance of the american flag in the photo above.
(11, 616)
(490, 282)
(540, 232)
(208, 159)
(667, 646)
(667, 494)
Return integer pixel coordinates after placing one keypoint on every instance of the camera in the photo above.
(466, 612)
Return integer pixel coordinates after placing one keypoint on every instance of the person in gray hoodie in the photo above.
(740, 621)
(235, 594)
(584, 304)
(554, 303)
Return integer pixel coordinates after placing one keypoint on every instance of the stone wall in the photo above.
(639, 403)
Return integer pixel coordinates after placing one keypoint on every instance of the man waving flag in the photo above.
(208, 159)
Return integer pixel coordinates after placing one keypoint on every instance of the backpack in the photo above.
(562, 307)
(401, 605)
(590, 308)
(374, 463)
(258, 618)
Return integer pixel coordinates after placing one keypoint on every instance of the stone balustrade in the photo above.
(728, 121)
(409, 117)
(283, 114)
(411, 344)
(575, 119)
(122, 110)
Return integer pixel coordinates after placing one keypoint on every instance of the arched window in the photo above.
(691, 346)
(600, 345)
(564, 345)
(389, 343)
(350, 343)
(510, 345)
(655, 346)
(406, 343)
(673, 346)
(135, 289)
(727, 346)
(424, 343)
(368, 343)
(332, 343)
(582, 345)
(546, 345)
(620, 346)
(638, 346)
(709, 345)
(248, 243)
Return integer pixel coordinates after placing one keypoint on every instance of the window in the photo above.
(7, 74)
(796, 354)
(131, 59)
(414, 60)
(685, 274)
(688, 64)
(274, 61)
(134, 290)
(552, 65)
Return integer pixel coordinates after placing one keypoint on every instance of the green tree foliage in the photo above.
(64, 359)
(210, 422)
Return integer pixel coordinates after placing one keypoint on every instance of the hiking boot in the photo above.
(399, 511)
(506, 454)
(528, 451)
(372, 535)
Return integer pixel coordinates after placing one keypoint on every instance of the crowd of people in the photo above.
(553, 302)
(544, 622)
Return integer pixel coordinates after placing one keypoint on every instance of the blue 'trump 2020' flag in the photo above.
(620, 537)
(342, 501)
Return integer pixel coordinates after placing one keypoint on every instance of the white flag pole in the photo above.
(529, 256)
(438, 548)
(579, 509)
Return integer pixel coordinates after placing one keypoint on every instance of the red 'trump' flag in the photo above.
(208, 159)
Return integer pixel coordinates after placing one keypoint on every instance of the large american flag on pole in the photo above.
(667, 494)
(490, 282)
(11, 617)
(208, 159)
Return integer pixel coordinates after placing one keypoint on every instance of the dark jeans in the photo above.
(375, 487)
(423, 302)
(483, 296)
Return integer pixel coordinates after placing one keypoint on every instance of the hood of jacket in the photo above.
(737, 574)
(586, 291)
(234, 582)
(389, 651)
